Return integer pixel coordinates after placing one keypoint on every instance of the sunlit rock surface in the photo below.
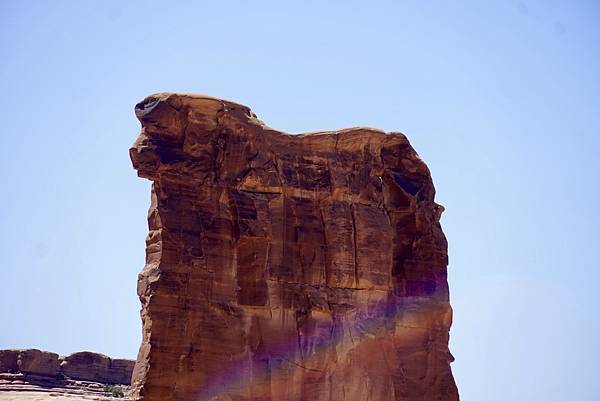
(287, 267)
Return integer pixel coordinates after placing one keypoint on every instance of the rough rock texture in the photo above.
(8, 360)
(20, 387)
(34, 375)
(85, 365)
(97, 367)
(287, 267)
(34, 361)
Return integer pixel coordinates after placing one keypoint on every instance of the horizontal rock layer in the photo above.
(287, 267)
(30, 387)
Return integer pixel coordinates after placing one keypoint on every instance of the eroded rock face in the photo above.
(9, 360)
(34, 375)
(34, 361)
(97, 367)
(85, 365)
(287, 267)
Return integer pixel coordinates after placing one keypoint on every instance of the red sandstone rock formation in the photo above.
(97, 367)
(34, 375)
(287, 267)
(85, 365)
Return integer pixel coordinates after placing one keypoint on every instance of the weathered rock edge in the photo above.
(287, 267)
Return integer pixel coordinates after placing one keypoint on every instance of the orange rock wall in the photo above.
(287, 267)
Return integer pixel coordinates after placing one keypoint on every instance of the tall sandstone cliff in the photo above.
(287, 267)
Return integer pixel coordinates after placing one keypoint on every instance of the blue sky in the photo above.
(500, 98)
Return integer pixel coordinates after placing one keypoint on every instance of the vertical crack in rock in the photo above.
(282, 267)
(354, 246)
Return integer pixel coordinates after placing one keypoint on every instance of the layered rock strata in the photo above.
(84, 365)
(304, 267)
(20, 387)
(34, 375)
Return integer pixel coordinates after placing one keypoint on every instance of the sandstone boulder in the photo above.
(120, 371)
(8, 360)
(85, 366)
(42, 363)
(97, 367)
(88, 366)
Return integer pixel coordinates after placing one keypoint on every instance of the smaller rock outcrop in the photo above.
(84, 365)
(34, 361)
(97, 367)
(85, 375)
(8, 360)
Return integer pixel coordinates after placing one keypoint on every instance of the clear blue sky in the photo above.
(501, 99)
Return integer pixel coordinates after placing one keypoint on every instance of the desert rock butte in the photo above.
(281, 267)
